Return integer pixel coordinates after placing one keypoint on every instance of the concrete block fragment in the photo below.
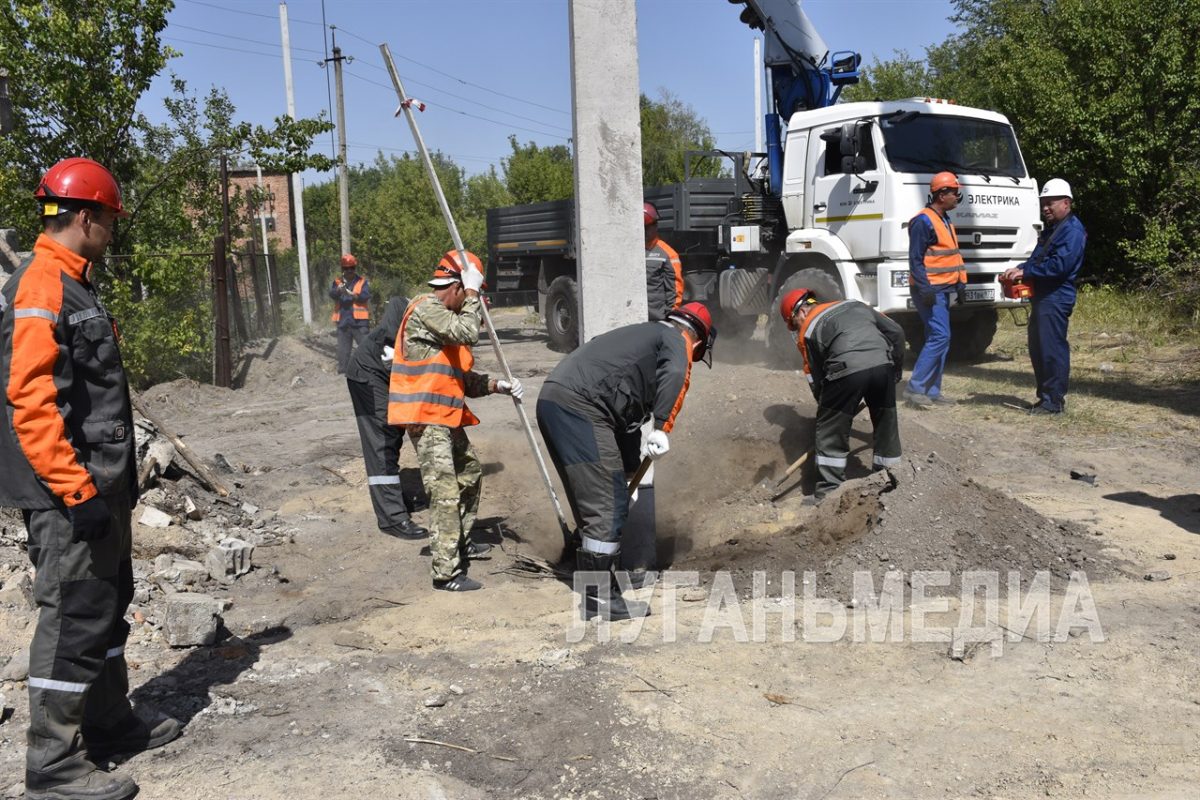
(153, 518)
(191, 619)
(229, 559)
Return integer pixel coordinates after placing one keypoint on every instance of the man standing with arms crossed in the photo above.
(1051, 272)
(67, 456)
(936, 270)
(431, 379)
(350, 294)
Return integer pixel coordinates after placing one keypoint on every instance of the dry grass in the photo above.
(1134, 369)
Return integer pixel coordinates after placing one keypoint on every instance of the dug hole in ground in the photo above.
(339, 673)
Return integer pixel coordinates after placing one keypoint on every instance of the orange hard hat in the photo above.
(649, 214)
(349, 261)
(944, 180)
(79, 180)
(696, 317)
(449, 270)
(792, 300)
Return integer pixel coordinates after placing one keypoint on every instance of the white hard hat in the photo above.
(1057, 187)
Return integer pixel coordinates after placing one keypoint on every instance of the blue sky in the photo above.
(491, 68)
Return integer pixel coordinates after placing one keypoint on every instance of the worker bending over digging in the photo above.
(590, 412)
(852, 355)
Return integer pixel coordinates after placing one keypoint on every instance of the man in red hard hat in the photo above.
(68, 459)
(852, 355)
(591, 410)
(664, 270)
(432, 377)
(936, 271)
(351, 313)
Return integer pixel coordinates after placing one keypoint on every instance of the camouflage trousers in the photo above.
(453, 479)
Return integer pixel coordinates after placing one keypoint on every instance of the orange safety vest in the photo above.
(802, 338)
(943, 261)
(431, 391)
(360, 309)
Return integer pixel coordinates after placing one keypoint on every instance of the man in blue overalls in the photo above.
(1051, 271)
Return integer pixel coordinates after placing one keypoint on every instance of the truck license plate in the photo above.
(983, 295)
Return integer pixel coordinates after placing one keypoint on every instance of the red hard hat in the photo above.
(696, 317)
(349, 261)
(649, 214)
(80, 180)
(792, 300)
(944, 180)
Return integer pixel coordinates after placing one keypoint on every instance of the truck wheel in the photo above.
(781, 343)
(562, 314)
(971, 335)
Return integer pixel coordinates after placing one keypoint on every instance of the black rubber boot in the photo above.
(96, 785)
(605, 600)
(131, 735)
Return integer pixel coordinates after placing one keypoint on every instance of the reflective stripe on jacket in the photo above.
(430, 391)
(664, 280)
(943, 261)
(358, 307)
(67, 434)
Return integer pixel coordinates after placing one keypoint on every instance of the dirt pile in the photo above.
(926, 515)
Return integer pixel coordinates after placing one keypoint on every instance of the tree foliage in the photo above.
(396, 225)
(671, 127)
(534, 174)
(77, 69)
(1104, 93)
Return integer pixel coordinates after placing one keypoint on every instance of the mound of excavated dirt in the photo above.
(927, 515)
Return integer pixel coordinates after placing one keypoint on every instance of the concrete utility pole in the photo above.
(297, 183)
(610, 238)
(343, 176)
(6, 123)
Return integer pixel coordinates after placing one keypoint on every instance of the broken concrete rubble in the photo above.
(190, 620)
(230, 559)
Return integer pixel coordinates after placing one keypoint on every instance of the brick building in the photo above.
(281, 224)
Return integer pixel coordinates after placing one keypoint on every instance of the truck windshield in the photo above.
(932, 142)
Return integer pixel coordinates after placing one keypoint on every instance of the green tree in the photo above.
(534, 174)
(895, 79)
(77, 71)
(670, 128)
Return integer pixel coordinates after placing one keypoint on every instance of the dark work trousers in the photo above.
(592, 460)
(348, 338)
(77, 672)
(1049, 350)
(835, 417)
(381, 449)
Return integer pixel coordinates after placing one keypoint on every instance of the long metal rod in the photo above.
(462, 259)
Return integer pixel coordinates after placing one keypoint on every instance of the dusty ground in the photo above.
(337, 642)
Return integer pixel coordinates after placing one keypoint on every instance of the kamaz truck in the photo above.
(827, 206)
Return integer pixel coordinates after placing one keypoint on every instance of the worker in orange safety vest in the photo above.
(350, 294)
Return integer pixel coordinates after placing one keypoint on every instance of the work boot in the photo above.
(96, 785)
(131, 736)
(641, 578)
(917, 399)
(942, 400)
(605, 601)
(459, 583)
(476, 550)
(406, 530)
(1042, 410)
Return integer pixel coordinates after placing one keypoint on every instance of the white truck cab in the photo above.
(855, 174)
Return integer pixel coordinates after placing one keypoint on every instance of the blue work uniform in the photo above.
(1052, 271)
(933, 306)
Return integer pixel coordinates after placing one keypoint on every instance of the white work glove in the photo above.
(389, 353)
(472, 279)
(656, 446)
(513, 388)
